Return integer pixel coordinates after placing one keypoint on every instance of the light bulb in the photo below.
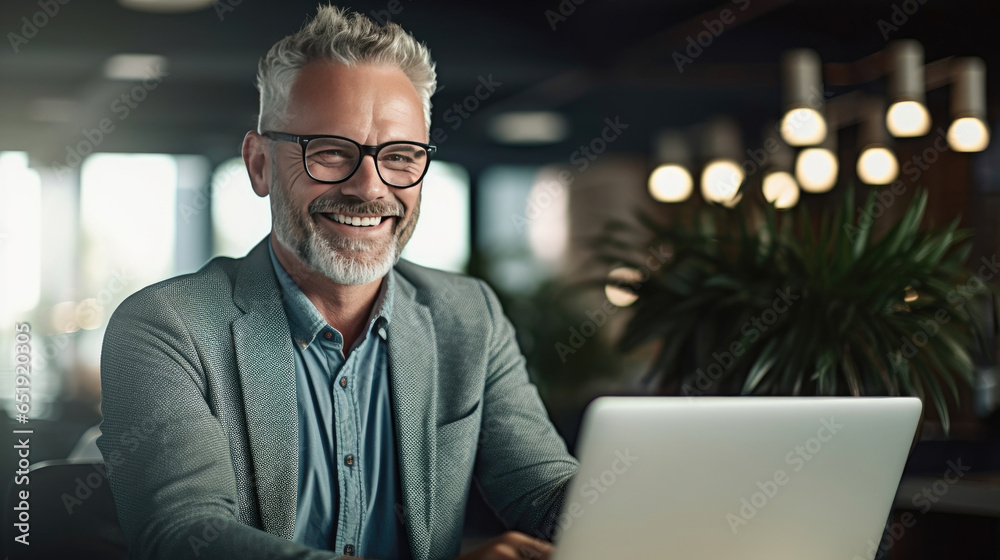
(968, 134)
(877, 166)
(622, 276)
(907, 119)
(780, 188)
(670, 183)
(816, 170)
(720, 180)
(803, 127)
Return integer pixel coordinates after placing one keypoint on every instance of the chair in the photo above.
(72, 513)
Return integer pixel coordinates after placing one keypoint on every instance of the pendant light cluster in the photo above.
(810, 123)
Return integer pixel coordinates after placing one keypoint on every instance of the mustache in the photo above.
(349, 206)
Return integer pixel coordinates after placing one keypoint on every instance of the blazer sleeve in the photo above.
(523, 466)
(167, 455)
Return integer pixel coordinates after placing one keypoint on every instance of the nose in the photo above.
(365, 184)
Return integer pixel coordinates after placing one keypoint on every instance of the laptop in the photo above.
(735, 477)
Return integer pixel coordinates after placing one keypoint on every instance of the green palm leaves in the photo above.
(753, 302)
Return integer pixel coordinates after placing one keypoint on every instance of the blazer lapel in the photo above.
(266, 365)
(412, 354)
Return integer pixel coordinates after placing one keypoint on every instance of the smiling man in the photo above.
(320, 397)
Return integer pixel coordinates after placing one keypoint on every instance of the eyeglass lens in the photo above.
(333, 159)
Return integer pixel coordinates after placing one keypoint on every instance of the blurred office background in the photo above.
(121, 121)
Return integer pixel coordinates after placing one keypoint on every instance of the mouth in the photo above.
(355, 221)
(360, 223)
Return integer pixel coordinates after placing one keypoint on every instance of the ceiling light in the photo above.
(803, 123)
(803, 127)
(135, 67)
(166, 6)
(781, 189)
(816, 170)
(619, 295)
(721, 180)
(529, 127)
(670, 183)
(908, 116)
(877, 166)
(907, 119)
(968, 132)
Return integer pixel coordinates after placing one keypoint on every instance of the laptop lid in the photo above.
(735, 477)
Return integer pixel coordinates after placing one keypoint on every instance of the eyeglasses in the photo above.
(334, 159)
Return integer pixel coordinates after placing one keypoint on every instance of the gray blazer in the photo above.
(200, 430)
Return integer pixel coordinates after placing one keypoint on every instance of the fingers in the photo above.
(523, 547)
(511, 545)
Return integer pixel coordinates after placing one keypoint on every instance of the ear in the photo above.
(254, 157)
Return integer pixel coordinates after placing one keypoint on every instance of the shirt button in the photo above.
(381, 332)
(343, 382)
(349, 550)
(328, 335)
(349, 460)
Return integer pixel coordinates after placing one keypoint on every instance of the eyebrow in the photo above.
(408, 147)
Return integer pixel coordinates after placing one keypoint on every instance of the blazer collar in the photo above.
(266, 366)
(413, 369)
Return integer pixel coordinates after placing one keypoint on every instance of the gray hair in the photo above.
(350, 38)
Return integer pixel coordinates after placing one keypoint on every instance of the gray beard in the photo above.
(342, 260)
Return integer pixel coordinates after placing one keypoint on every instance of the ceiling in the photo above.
(604, 59)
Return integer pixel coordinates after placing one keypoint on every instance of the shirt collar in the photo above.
(305, 321)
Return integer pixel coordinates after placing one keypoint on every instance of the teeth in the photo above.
(356, 221)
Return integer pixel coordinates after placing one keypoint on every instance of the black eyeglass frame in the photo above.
(364, 149)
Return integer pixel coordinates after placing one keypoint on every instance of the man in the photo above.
(317, 398)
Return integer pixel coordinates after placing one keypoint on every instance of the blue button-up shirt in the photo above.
(348, 488)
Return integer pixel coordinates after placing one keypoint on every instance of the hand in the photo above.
(511, 545)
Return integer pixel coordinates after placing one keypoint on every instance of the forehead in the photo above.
(330, 97)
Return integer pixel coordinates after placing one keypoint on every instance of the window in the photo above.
(20, 237)
(127, 218)
(521, 225)
(441, 239)
(240, 218)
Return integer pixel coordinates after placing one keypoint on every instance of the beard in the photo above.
(341, 259)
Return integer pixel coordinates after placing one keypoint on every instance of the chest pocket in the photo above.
(457, 440)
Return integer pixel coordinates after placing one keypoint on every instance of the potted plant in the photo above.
(755, 301)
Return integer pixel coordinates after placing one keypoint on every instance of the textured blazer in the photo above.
(200, 430)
